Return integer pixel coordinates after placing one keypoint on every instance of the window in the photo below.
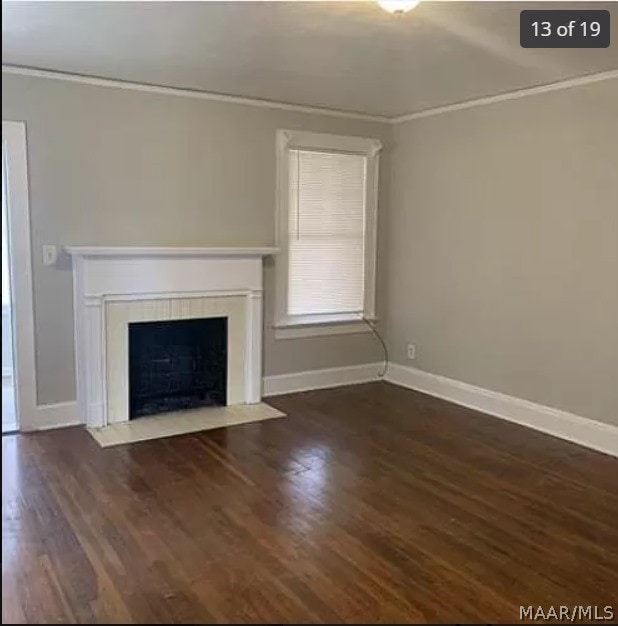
(327, 196)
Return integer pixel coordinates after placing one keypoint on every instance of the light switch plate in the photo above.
(50, 255)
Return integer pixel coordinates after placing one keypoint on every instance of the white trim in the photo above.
(16, 163)
(305, 140)
(256, 102)
(144, 251)
(188, 93)
(66, 413)
(583, 431)
(165, 277)
(50, 416)
(580, 430)
(321, 379)
(7, 372)
(508, 95)
(297, 139)
(297, 331)
(98, 300)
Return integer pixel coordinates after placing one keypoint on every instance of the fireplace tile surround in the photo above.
(116, 286)
(119, 314)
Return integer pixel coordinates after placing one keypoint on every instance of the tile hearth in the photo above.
(181, 423)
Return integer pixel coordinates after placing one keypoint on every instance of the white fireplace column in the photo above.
(115, 286)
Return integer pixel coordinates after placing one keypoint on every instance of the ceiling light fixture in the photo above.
(398, 6)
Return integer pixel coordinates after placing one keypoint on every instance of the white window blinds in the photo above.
(326, 273)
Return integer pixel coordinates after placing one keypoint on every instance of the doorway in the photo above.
(9, 412)
(19, 403)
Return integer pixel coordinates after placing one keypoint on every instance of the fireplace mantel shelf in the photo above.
(145, 251)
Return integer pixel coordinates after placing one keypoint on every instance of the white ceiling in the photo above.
(350, 56)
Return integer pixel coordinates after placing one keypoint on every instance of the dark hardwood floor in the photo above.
(367, 504)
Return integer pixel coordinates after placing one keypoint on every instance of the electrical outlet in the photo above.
(50, 255)
(411, 351)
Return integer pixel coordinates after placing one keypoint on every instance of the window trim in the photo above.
(291, 326)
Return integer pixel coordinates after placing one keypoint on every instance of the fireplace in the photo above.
(177, 364)
(118, 289)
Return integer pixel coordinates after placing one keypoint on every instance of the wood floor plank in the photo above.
(369, 503)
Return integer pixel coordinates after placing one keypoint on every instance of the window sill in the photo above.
(310, 326)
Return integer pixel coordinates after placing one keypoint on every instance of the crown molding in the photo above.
(188, 93)
(508, 95)
(271, 104)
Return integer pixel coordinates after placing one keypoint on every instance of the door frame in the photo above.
(15, 165)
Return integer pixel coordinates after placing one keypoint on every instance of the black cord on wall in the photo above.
(376, 333)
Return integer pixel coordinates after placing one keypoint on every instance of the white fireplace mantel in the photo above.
(175, 278)
(149, 251)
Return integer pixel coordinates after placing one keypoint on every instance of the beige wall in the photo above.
(118, 167)
(499, 252)
(502, 247)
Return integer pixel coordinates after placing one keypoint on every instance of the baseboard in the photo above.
(321, 379)
(50, 416)
(63, 414)
(586, 432)
(583, 431)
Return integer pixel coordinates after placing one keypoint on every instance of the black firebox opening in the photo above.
(177, 365)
